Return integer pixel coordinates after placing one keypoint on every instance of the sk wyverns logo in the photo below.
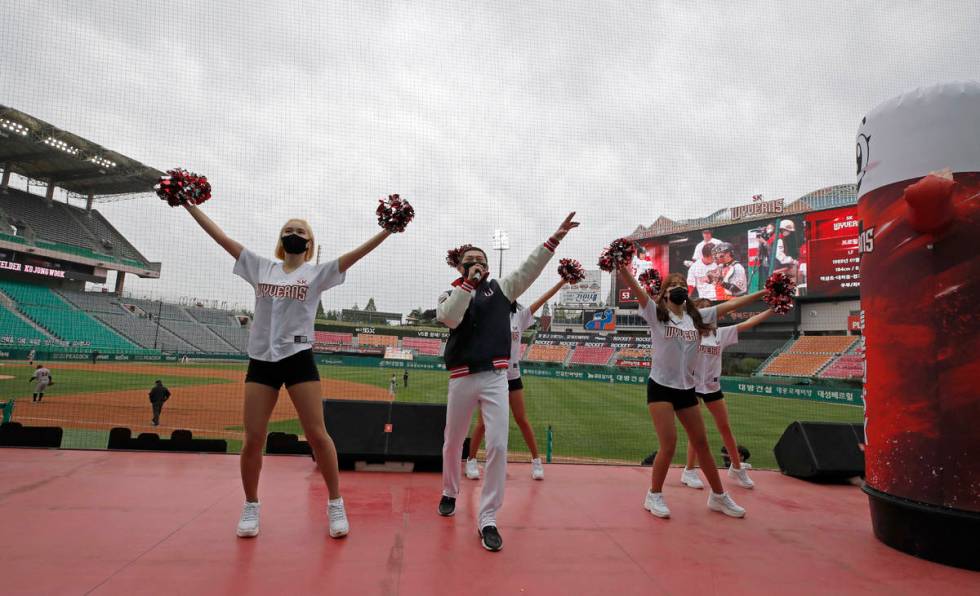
(863, 155)
(295, 292)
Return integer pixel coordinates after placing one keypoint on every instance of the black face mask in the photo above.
(677, 295)
(293, 244)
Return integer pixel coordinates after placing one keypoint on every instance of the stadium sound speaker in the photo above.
(821, 450)
(121, 438)
(277, 443)
(14, 434)
(378, 432)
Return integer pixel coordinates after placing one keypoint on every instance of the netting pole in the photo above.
(550, 444)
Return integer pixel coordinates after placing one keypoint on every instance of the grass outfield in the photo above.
(590, 420)
(70, 381)
(606, 421)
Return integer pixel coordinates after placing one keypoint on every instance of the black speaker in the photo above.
(821, 450)
(378, 432)
(14, 434)
(121, 438)
(277, 443)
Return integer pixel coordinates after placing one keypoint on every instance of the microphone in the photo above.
(477, 277)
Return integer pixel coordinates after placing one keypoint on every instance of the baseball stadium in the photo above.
(451, 278)
(106, 348)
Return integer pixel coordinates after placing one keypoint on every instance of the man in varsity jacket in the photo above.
(477, 355)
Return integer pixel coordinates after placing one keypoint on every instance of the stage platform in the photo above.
(97, 522)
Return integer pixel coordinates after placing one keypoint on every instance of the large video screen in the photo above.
(817, 250)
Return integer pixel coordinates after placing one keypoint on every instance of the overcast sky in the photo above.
(484, 115)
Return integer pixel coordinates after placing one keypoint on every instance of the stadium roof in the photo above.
(841, 195)
(41, 151)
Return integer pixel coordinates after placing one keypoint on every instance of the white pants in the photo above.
(489, 390)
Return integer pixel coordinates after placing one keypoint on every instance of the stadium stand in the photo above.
(847, 366)
(198, 335)
(145, 332)
(595, 355)
(63, 227)
(384, 341)
(808, 355)
(164, 310)
(14, 330)
(54, 314)
(235, 335)
(423, 345)
(210, 316)
(546, 353)
(823, 344)
(333, 338)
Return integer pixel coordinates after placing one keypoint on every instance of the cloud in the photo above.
(503, 115)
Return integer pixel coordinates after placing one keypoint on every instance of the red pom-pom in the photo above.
(571, 271)
(180, 187)
(779, 293)
(455, 255)
(650, 280)
(394, 213)
(618, 253)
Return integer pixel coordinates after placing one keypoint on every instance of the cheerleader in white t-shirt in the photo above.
(676, 329)
(707, 373)
(280, 350)
(520, 320)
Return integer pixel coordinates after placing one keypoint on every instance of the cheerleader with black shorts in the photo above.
(676, 329)
(520, 320)
(280, 350)
(707, 375)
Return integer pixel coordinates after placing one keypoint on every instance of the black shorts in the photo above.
(679, 398)
(298, 368)
(515, 384)
(710, 397)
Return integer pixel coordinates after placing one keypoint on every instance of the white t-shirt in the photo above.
(42, 375)
(674, 346)
(697, 276)
(707, 369)
(285, 303)
(519, 323)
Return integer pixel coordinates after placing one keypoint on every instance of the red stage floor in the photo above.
(79, 522)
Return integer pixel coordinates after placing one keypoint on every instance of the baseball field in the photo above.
(590, 421)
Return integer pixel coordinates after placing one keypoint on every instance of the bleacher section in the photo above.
(332, 338)
(180, 329)
(808, 355)
(59, 226)
(235, 335)
(54, 314)
(210, 316)
(145, 332)
(847, 366)
(384, 341)
(823, 344)
(633, 357)
(198, 335)
(546, 353)
(423, 345)
(595, 355)
(13, 330)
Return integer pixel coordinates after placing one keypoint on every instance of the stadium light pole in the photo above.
(501, 242)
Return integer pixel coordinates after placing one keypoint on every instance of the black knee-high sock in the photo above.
(35, 397)
(40, 396)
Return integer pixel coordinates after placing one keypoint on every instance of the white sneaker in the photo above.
(248, 525)
(472, 469)
(339, 526)
(741, 476)
(724, 504)
(655, 505)
(691, 479)
(537, 469)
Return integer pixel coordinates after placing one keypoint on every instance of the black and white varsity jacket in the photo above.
(479, 317)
